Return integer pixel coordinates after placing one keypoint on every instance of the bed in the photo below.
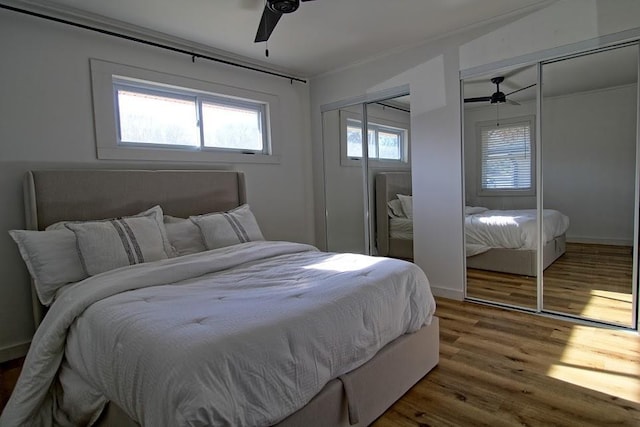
(354, 397)
(488, 246)
(394, 235)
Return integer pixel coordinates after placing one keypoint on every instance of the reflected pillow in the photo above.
(472, 210)
(407, 205)
(223, 229)
(394, 208)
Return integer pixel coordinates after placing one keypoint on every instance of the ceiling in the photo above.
(606, 69)
(322, 35)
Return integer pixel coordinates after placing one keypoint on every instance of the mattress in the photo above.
(236, 336)
(511, 229)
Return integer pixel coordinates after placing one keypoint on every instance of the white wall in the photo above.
(589, 153)
(47, 122)
(432, 72)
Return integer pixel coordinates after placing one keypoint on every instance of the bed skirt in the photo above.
(518, 261)
(357, 398)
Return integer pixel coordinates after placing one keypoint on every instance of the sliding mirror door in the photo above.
(374, 221)
(344, 191)
(500, 187)
(589, 120)
(389, 177)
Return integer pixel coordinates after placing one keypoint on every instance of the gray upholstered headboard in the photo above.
(57, 195)
(388, 184)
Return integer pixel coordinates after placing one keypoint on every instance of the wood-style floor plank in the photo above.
(589, 280)
(506, 368)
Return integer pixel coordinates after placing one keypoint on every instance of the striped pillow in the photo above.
(222, 229)
(114, 243)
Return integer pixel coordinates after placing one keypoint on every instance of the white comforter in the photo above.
(236, 336)
(512, 229)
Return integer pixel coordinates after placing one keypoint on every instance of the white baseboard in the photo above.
(600, 241)
(454, 294)
(14, 351)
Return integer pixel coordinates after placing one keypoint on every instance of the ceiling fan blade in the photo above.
(267, 24)
(478, 99)
(521, 89)
(512, 102)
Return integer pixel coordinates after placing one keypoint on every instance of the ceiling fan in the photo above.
(273, 11)
(498, 97)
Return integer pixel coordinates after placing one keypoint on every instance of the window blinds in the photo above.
(506, 156)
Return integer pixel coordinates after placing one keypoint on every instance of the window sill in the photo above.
(168, 155)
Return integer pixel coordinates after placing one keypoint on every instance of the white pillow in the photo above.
(52, 259)
(184, 235)
(113, 243)
(222, 229)
(472, 210)
(394, 208)
(407, 204)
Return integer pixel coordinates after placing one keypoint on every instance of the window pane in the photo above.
(506, 157)
(389, 146)
(373, 154)
(232, 127)
(354, 141)
(154, 119)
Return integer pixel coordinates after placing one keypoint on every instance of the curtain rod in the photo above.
(193, 55)
(393, 106)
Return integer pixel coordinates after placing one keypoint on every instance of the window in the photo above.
(180, 118)
(147, 115)
(385, 142)
(388, 143)
(507, 164)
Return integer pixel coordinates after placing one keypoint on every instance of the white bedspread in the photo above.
(401, 228)
(512, 229)
(236, 336)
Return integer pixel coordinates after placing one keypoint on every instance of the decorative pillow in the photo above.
(407, 204)
(113, 243)
(222, 229)
(394, 208)
(184, 235)
(52, 259)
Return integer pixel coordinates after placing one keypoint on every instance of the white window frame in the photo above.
(106, 76)
(374, 123)
(493, 124)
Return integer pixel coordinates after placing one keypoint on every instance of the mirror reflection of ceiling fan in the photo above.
(273, 11)
(498, 97)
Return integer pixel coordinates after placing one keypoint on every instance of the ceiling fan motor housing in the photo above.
(283, 6)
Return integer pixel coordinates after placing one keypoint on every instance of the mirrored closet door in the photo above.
(363, 177)
(551, 166)
(500, 187)
(589, 121)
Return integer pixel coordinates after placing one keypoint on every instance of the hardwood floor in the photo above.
(9, 372)
(505, 368)
(589, 280)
